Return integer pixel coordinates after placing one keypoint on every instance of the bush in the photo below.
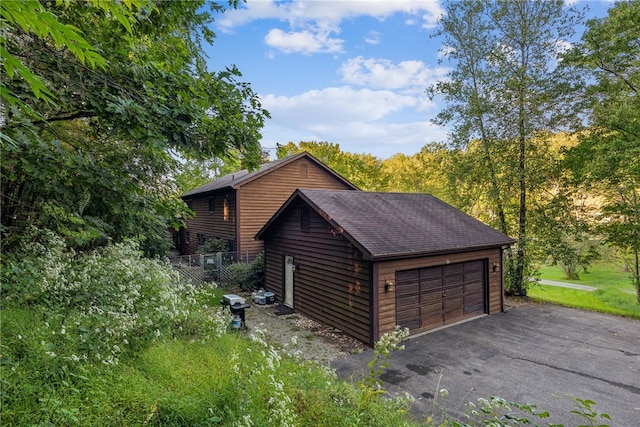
(247, 276)
(213, 245)
(100, 304)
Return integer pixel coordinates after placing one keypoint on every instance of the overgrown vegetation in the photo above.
(109, 337)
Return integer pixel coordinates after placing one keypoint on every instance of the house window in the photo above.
(186, 238)
(305, 219)
(212, 204)
(303, 171)
(201, 239)
(225, 210)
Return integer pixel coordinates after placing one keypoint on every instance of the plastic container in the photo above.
(236, 322)
(270, 297)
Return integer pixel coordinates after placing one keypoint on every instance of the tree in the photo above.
(102, 100)
(363, 170)
(503, 92)
(427, 171)
(607, 159)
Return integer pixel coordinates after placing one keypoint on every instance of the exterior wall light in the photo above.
(389, 285)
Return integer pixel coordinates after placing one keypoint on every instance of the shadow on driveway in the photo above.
(533, 354)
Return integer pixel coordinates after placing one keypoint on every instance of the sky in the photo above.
(350, 72)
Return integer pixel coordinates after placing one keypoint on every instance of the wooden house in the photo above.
(234, 207)
(365, 262)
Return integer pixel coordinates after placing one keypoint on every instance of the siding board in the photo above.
(331, 282)
(252, 204)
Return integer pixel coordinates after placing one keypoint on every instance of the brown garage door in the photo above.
(434, 296)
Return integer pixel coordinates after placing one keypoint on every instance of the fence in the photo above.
(206, 268)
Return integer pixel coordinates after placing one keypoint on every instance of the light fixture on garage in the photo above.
(388, 285)
(496, 267)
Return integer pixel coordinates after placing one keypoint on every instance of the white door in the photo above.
(289, 268)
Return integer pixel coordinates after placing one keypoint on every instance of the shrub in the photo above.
(213, 245)
(247, 276)
(99, 304)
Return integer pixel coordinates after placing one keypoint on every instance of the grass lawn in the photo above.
(615, 293)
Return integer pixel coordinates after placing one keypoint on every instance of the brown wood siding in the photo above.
(212, 224)
(259, 199)
(386, 270)
(331, 281)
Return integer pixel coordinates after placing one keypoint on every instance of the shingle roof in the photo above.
(400, 224)
(236, 179)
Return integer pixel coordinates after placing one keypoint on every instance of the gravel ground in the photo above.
(298, 334)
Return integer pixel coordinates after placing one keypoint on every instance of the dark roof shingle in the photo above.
(400, 224)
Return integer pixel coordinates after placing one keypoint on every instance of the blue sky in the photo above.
(349, 72)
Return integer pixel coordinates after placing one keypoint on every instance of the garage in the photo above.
(428, 298)
(367, 262)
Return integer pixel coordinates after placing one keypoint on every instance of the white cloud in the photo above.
(335, 106)
(410, 76)
(427, 11)
(312, 24)
(305, 42)
(378, 139)
(373, 37)
(360, 120)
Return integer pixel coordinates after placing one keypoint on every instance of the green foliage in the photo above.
(502, 93)
(607, 159)
(382, 349)
(213, 245)
(563, 236)
(363, 170)
(103, 303)
(93, 160)
(248, 276)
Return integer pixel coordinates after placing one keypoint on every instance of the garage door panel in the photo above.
(411, 324)
(453, 316)
(453, 269)
(475, 276)
(408, 313)
(428, 272)
(431, 283)
(474, 304)
(407, 288)
(432, 321)
(473, 287)
(430, 309)
(453, 280)
(450, 291)
(430, 297)
(409, 301)
(473, 308)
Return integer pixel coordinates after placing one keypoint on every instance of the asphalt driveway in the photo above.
(533, 354)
